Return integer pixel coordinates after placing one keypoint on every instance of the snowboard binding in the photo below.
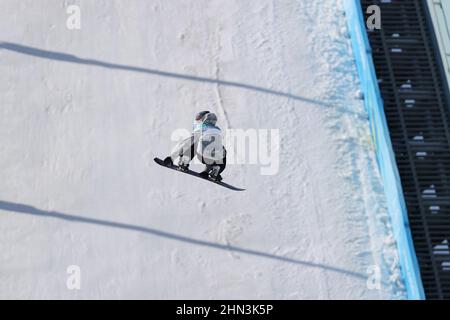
(182, 166)
(212, 172)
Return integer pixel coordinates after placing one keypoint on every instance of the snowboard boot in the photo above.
(205, 173)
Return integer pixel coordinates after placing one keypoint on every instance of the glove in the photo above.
(168, 161)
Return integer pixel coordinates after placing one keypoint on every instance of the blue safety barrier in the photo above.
(384, 151)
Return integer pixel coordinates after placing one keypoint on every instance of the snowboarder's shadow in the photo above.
(27, 209)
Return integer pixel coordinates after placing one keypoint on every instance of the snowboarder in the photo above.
(205, 142)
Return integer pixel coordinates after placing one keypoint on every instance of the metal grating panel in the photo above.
(417, 111)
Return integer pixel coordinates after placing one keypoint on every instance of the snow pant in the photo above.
(209, 165)
(222, 164)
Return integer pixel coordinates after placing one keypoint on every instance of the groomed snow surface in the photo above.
(83, 113)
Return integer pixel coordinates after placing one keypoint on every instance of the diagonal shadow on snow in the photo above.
(27, 209)
(53, 55)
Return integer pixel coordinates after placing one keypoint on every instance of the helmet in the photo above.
(210, 118)
(199, 116)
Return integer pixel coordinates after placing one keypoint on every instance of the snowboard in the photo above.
(196, 174)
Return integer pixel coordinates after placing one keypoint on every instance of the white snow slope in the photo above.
(83, 113)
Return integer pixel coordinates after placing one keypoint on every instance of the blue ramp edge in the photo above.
(384, 152)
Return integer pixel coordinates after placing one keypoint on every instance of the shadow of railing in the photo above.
(27, 209)
(64, 57)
